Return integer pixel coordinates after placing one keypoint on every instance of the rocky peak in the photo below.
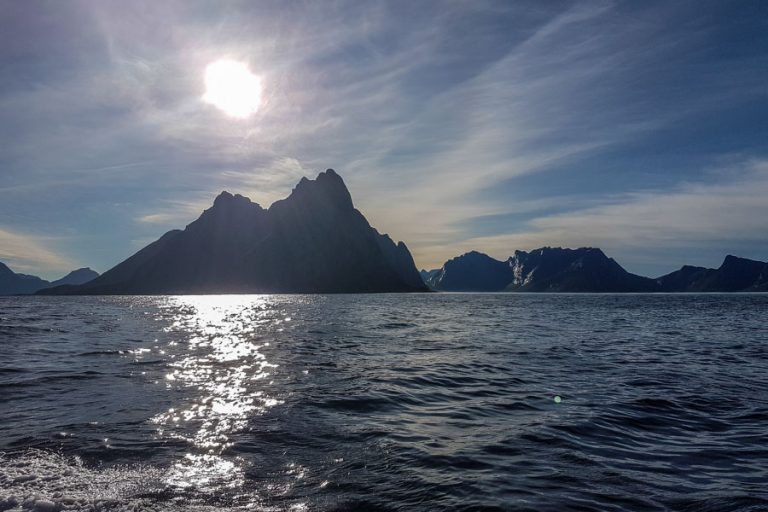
(328, 189)
(226, 199)
(734, 261)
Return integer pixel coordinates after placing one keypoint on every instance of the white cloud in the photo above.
(415, 148)
(175, 214)
(26, 253)
(732, 212)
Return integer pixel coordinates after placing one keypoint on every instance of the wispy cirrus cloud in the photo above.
(701, 222)
(436, 114)
(26, 253)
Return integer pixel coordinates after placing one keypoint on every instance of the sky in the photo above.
(637, 127)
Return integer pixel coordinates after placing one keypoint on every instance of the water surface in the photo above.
(385, 402)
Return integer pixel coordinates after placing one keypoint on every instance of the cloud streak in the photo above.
(692, 218)
(25, 253)
(447, 111)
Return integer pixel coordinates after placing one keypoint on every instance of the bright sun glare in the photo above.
(231, 87)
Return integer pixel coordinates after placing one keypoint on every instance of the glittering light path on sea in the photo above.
(229, 374)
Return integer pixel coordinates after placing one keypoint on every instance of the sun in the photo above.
(231, 87)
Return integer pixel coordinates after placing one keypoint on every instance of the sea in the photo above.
(391, 402)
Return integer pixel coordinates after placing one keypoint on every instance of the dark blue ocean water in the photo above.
(385, 402)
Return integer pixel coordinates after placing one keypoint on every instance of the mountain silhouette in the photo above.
(12, 283)
(549, 269)
(314, 241)
(79, 276)
(588, 269)
(471, 272)
(734, 275)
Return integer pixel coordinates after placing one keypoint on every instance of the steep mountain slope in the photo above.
(549, 269)
(12, 283)
(588, 269)
(734, 275)
(79, 276)
(686, 278)
(471, 272)
(427, 275)
(314, 241)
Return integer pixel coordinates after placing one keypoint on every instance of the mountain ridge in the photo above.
(735, 274)
(316, 241)
(587, 270)
(12, 283)
(313, 241)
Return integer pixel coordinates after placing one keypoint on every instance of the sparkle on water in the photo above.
(383, 402)
(231, 87)
(229, 372)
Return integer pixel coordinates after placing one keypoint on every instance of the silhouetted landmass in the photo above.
(687, 278)
(472, 272)
(12, 283)
(553, 269)
(572, 270)
(734, 275)
(79, 276)
(315, 241)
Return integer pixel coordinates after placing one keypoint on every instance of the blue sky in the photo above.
(638, 127)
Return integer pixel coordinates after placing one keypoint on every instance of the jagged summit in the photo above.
(562, 250)
(226, 199)
(223, 198)
(327, 190)
(312, 241)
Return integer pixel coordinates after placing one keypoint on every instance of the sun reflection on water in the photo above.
(222, 361)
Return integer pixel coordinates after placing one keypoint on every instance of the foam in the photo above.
(43, 481)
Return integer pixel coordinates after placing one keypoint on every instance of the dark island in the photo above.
(12, 283)
(314, 241)
(553, 269)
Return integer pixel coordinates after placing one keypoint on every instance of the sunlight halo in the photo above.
(231, 87)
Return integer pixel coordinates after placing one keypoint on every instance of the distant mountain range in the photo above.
(553, 269)
(12, 283)
(314, 241)
(734, 275)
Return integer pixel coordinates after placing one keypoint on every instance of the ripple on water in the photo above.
(392, 402)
